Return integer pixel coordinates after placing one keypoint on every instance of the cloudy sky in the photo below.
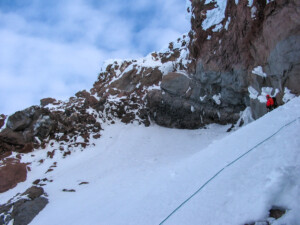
(56, 48)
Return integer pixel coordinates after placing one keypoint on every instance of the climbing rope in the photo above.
(229, 164)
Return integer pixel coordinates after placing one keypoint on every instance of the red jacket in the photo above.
(270, 101)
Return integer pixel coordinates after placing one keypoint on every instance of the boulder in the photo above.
(172, 111)
(11, 137)
(23, 211)
(23, 127)
(128, 82)
(175, 83)
(12, 172)
(15, 141)
(151, 76)
(33, 192)
(21, 120)
(47, 101)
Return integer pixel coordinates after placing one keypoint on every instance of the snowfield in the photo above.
(138, 175)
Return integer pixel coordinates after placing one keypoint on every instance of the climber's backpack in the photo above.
(275, 102)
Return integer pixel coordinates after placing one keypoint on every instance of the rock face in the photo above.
(247, 36)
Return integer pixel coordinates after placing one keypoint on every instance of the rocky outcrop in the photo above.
(123, 87)
(216, 78)
(23, 127)
(36, 126)
(23, 208)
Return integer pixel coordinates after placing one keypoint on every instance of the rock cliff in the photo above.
(245, 50)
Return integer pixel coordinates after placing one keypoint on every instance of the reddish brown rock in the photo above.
(4, 155)
(51, 154)
(34, 192)
(249, 39)
(2, 120)
(11, 137)
(28, 147)
(11, 173)
(96, 136)
(266, 35)
(47, 101)
(89, 99)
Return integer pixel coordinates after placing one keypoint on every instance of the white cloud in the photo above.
(54, 49)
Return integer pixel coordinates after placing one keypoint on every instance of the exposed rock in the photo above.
(175, 83)
(23, 211)
(12, 172)
(170, 57)
(123, 86)
(11, 137)
(187, 103)
(28, 147)
(2, 120)
(47, 101)
(283, 64)
(201, 78)
(96, 136)
(43, 126)
(171, 111)
(68, 190)
(36, 182)
(21, 120)
(33, 192)
(277, 212)
(24, 127)
(89, 100)
(264, 35)
(274, 213)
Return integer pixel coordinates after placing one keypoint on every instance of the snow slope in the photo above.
(139, 175)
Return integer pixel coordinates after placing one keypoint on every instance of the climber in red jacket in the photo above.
(270, 103)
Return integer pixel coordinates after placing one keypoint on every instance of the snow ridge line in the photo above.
(229, 164)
